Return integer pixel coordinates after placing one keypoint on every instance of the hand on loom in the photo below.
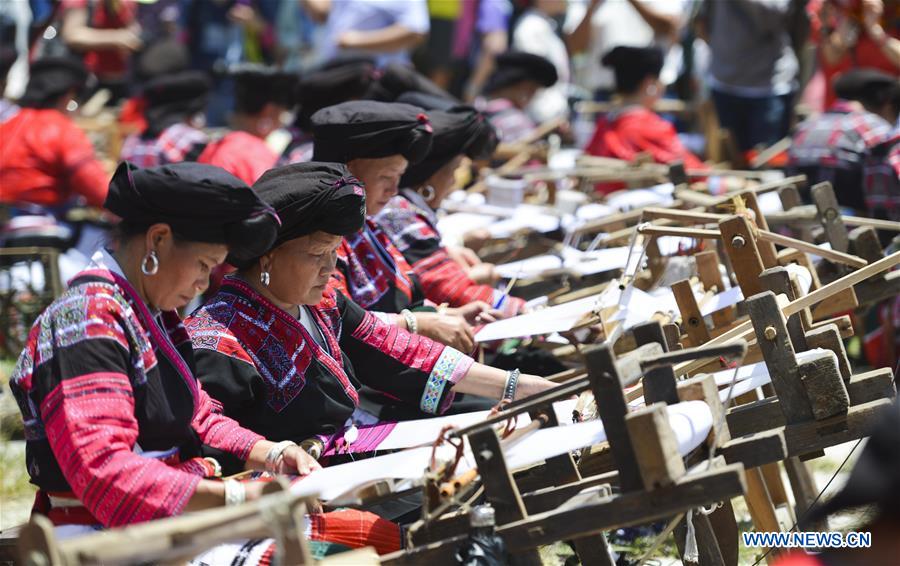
(490, 382)
(463, 256)
(484, 274)
(448, 329)
(296, 460)
(476, 312)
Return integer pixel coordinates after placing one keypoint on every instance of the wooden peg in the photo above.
(740, 245)
(830, 216)
(655, 446)
(691, 320)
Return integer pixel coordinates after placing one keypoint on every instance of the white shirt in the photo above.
(537, 33)
(616, 23)
(310, 325)
(369, 15)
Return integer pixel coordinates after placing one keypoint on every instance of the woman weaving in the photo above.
(410, 218)
(275, 344)
(115, 421)
(377, 141)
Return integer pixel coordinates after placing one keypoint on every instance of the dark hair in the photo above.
(632, 65)
(254, 89)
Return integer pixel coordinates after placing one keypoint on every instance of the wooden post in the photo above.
(740, 245)
(612, 408)
(767, 250)
(759, 503)
(830, 216)
(778, 280)
(708, 272)
(659, 383)
(691, 320)
(775, 344)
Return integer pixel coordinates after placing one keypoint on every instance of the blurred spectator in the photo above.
(881, 183)
(635, 128)
(45, 158)
(221, 34)
(510, 89)
(165, 56)
(389, 29)
(106, 32)
(262, 95)
(754, 67)
(596, 27)
(855, 33)
(174, 107)
(8, 58)
(480, 37)
(537, 31)
(323, 87)
(832, 146)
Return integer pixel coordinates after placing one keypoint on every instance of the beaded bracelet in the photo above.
(512, 383)
(411, 323)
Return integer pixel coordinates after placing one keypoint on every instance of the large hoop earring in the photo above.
(427, 192)
(153, 260)
(264, 278)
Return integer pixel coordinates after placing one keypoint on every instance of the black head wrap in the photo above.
(174, 98)
(875, 479)
(313, 197)
(333, 85)
(50, 78)
(8, 57)
(397, 79)
(160, 58)
(458, 130)
(631, 65)
(871, 87)
(368, 129)
(514, 67)
(201, 203)
(258, 85)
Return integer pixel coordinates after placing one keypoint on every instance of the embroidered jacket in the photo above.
(243, 155)
(372, 271)
(513, 125)
(113, 414)
(299, 150)
(270, 375)
(179, 142)
(412, 226)
(881, 180)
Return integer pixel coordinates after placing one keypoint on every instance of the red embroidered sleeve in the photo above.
(221, 432)
(91, 429)
(445, 281)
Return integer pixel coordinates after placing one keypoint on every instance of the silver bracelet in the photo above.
(411, 323)
(512, 383)
(235, 493)
(275, 454)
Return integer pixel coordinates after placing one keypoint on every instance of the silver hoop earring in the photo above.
(427, 192)
(153, 261)
(264, 278)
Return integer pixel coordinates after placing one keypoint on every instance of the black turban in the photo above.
(8, 57)
(369, 129)
(458, 130)
(174, 98)
(201, 203)
(161, 58)
(514, 67)
(332, 85)
(258, 85)
(313, 197)
(871, 87)
(397, 79)
(631, 65)
(50, 78)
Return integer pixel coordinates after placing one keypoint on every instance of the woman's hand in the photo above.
(295, 460)
(476, 312)
(484, 274)
(532, 385)
(463, 256)
(447, 329)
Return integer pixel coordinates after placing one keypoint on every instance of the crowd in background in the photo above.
(753, 58)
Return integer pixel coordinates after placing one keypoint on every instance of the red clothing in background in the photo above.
(106, 14)
(243, 155)
(46, 159)
(633, 130)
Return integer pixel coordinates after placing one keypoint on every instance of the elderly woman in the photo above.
(116, 423)
(286, 354)
(410, 219)
(377, 141)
